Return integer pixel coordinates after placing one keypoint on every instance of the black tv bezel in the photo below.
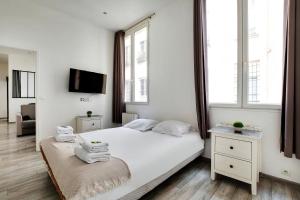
(76, 91)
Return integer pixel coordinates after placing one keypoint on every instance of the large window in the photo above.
(245, 51)
(136, 64)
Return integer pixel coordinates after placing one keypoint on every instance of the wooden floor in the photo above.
(23, 176)
(194, 183)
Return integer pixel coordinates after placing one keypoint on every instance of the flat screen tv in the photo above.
(87, 82)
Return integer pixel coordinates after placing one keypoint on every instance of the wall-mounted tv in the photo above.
(87, 82)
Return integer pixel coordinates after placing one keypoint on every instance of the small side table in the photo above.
(236, 155)
(85, 123)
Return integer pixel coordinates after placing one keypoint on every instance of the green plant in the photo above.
(238, 124)
(89, 113)
(95, 142)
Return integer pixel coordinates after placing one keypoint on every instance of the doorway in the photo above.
(3, 87)
(17, 86)
(7, 104)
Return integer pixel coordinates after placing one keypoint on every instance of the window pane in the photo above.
(265, 51)
(222, 37)
(128, 69)
(31, 84)
(140, 70)
(24, 84)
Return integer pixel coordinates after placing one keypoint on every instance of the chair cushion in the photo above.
(26, 117)
(28, 124)
(28, 110)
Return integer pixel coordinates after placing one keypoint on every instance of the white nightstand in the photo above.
(236, 155)
(85, 124)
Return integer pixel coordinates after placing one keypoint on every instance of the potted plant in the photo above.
(89, 113)
(238, 126)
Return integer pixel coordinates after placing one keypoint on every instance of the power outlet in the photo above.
(285, 172)
(84, 99)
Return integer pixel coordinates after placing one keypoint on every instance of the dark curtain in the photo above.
(200, 66)
(290, 117)
(119, 77)
(16, 84)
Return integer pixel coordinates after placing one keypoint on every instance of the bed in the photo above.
(149, 156)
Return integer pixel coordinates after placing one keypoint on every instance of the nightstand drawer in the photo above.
(85, 124)
(232, 147)
(232, 166)
(89, 125)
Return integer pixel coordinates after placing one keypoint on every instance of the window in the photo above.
(245, 50)
(222, 51)
(136, 64)
(265, 47)
(142, 87)
(23, 84)
(128, 69)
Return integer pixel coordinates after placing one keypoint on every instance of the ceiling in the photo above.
(121, 14)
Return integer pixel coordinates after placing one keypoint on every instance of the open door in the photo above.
(7, 99)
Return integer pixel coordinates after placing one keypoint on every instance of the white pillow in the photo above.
(172, 127)
(141, 124)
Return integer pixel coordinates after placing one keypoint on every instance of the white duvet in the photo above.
(147, 154)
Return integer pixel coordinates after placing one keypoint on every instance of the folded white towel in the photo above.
(65, 138)
(64, 133)
(91, 157)
(94, 149)
(64, 130)
(92, 145)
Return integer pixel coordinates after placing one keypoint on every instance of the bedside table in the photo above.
(236, 155)
(85, 124)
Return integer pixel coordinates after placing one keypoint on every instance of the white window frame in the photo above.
(242, 65)
(131, 32)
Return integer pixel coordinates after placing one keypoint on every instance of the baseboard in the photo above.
(205, 159)
(277, 178)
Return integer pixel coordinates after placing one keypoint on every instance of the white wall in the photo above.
(3, 92)
(171, 82)
(172, 87)
(61, 42)
(19, 60)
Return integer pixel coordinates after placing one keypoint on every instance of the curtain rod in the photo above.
(149, 17)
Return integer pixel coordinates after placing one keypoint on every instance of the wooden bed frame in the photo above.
(139, 192)
(61, 196)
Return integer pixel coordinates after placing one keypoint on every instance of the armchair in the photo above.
(26, 120)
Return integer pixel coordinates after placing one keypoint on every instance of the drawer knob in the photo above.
(231, 166)
(231, 147)
(93, 124)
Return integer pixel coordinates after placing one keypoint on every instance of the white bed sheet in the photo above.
(148, 154)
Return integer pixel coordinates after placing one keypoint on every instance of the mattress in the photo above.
(150, 156)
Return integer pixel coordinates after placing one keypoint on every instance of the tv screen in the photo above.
(87, 82)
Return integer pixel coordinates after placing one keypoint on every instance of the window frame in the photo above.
(239, 63)
(131, 32)
(242, 65)
(34, 85)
